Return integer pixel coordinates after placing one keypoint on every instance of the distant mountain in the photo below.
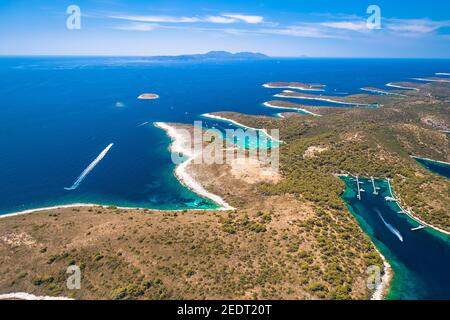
(212, 55)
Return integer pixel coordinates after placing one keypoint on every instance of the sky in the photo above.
(281, 28)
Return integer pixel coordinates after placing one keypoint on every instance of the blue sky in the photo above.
(315, 28)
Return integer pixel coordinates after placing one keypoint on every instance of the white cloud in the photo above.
(303, 31)
(160, 19)
(350, 28)
(326, 27)
(137, 26)
(220, 19)
(415, 27)
(346, 25)
(245, 18)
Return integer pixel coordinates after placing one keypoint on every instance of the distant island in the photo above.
(148, 96)
(211, 56)
(295, 85)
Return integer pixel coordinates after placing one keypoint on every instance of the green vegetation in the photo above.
(232, 224)
(365, 142)
(146, 289)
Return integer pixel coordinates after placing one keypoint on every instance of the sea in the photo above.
(420, 258)
(437, 167)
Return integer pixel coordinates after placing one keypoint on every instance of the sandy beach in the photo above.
(431, 80)
(269, 105)
(281, 95)
(212, 116)
(293, 87)
(428, 159)
(383, 92)
(28, 296)
(75, 205)
(179, 145)
(382, 290)
(390, 84)
(82, 205)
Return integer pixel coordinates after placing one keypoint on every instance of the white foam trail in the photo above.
(89, 168)
(443, 74)
(390, 227)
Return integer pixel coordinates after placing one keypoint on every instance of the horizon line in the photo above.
(176, 55)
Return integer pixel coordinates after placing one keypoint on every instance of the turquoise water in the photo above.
(58, 114)
(420, 259)
(248, 139)
(440, 168)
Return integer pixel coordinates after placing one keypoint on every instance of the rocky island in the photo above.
(148, 96)
(295, 85)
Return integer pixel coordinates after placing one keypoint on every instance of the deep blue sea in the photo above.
(436, 167)
(58, 113)
(420, 259)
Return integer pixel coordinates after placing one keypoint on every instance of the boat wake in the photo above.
(390, 227)
(91, 167)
